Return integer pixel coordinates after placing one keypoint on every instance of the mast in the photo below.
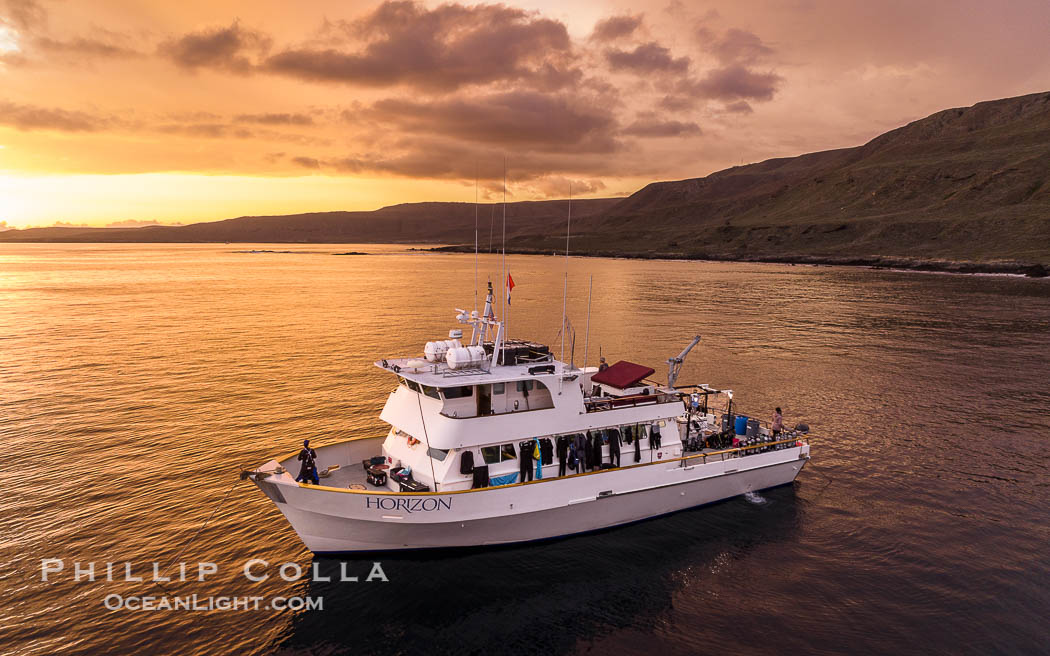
(587, 335)
(475, 235)
(505, 318)
(565, 288)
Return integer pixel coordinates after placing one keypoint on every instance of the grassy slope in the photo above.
(962, 184)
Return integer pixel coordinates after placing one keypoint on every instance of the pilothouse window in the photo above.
(432, 392)
(438, 454)
(458, 392)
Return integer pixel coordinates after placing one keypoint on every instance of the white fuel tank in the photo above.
(463, 358)
(435, 351)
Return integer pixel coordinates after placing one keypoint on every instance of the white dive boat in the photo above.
(457, 466)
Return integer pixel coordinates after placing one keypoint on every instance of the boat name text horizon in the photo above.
(408, 505)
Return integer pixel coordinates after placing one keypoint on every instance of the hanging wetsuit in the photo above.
(583, 450)
(563, 453)
(654, 437)
(525, 460)
(599, 440)
(546, 451)
(638, 446)
(628, 434)
(614, 446)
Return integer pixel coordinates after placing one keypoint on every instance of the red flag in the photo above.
(510, 287)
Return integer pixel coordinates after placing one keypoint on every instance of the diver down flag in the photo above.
(510, 287)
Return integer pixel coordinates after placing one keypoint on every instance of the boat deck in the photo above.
(349, 476)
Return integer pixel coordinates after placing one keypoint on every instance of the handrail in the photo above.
(795, 439)
(631, 401)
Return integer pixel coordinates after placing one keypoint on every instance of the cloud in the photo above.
(678, 102)
(734, 82)
(556, 186)
(739, 107)
(24, 14)
(441, 49)
(307, 162)
(738, 45)
(226, 48)
(512, 119)
(646, 59)
(207, 130)
(652, 127)
(82, 46)
(33, 117)
(275, 119)
(134, 223)
(616, 27)
(448, 159)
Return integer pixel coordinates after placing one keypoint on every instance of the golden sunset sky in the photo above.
(122, 111)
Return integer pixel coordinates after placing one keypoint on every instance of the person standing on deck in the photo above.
(603, 365)
(308, 471)
(778, 424)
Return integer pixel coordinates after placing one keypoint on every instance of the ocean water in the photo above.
(136, 379)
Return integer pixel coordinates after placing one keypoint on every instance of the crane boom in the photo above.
(674, 365)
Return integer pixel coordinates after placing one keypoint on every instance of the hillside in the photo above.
(965, 185)
(406, 223)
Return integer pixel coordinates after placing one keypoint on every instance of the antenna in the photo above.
(587, 335)
(565, 288)
(492, 220)
(475, 235)
(506, 308)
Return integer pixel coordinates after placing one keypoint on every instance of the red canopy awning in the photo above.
(623, 374)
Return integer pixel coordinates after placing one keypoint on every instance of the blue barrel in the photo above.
(741, 425)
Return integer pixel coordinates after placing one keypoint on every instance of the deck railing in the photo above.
(598, 404)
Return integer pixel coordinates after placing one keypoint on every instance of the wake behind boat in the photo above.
(498, 442)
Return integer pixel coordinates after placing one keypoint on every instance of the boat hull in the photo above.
(334, 521)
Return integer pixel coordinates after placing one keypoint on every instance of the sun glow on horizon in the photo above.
(183, 198)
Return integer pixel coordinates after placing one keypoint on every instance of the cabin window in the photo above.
(412, 385)
(438, 454)
(526, 385)
(495, 454)
(498, 388)
(458, 392)
(402, 381)
(432, 392)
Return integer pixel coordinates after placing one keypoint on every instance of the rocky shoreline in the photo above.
(1031, 270)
